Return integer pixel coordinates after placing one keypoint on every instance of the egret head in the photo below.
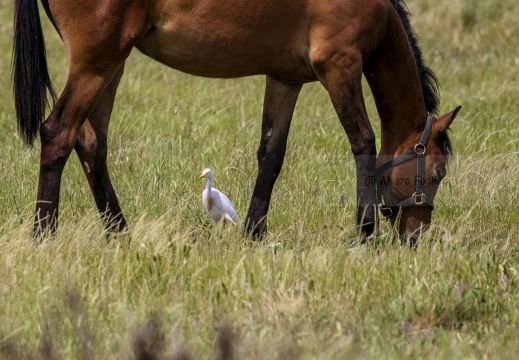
(206, 173)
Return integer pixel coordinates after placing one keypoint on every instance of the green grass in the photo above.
(180, 290)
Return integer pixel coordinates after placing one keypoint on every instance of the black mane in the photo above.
(429, 81)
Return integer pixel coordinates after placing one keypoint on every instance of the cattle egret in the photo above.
(216, 204)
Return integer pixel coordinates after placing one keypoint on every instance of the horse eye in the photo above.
(440, 174)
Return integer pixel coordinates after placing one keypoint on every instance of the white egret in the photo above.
(216, 204)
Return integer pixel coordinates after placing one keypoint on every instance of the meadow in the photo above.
(185, 290)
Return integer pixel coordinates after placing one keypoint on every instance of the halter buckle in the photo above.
(419, 146)
(419, 199)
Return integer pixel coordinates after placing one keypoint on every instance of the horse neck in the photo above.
(393, 77)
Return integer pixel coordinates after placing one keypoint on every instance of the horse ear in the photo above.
(443, 123)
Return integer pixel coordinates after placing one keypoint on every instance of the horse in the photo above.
(295, 42)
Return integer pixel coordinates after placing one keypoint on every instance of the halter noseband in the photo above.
(418, 198)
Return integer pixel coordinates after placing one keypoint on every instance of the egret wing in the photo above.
(228, 209)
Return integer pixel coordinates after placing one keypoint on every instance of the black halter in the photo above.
(418, 198)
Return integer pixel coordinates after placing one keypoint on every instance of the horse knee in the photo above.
(364, 144)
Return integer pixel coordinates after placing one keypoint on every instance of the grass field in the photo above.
(183, 290)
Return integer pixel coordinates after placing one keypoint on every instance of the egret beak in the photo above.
(202, 176)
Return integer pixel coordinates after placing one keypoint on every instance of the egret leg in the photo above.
(278, 108)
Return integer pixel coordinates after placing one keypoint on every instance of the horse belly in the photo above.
(217, 41)
(209, 59)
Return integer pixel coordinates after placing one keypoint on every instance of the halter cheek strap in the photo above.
(418, 198)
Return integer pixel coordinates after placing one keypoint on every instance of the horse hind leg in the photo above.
(278, 108)
(99, 37)
(91, 148)
(59, 134)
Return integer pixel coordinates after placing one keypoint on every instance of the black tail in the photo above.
(30, 74)
(430, 84)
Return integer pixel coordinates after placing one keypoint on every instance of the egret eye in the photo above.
(440, 174)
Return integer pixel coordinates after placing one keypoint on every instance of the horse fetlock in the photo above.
(367, 228)
(256, 228)
(45, 220)
(367, 219)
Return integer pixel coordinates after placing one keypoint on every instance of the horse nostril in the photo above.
(409, 240)
(412, 241)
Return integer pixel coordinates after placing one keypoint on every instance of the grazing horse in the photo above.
(293, 42)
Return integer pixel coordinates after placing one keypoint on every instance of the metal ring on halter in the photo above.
(417, 146)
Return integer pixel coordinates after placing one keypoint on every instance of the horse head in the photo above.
(407, 184)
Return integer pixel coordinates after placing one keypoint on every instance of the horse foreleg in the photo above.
(278, 108)
(91, 148)
(342, 78)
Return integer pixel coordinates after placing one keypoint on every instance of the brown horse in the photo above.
(291, 42)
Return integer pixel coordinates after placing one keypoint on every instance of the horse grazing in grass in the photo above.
(291, 42)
